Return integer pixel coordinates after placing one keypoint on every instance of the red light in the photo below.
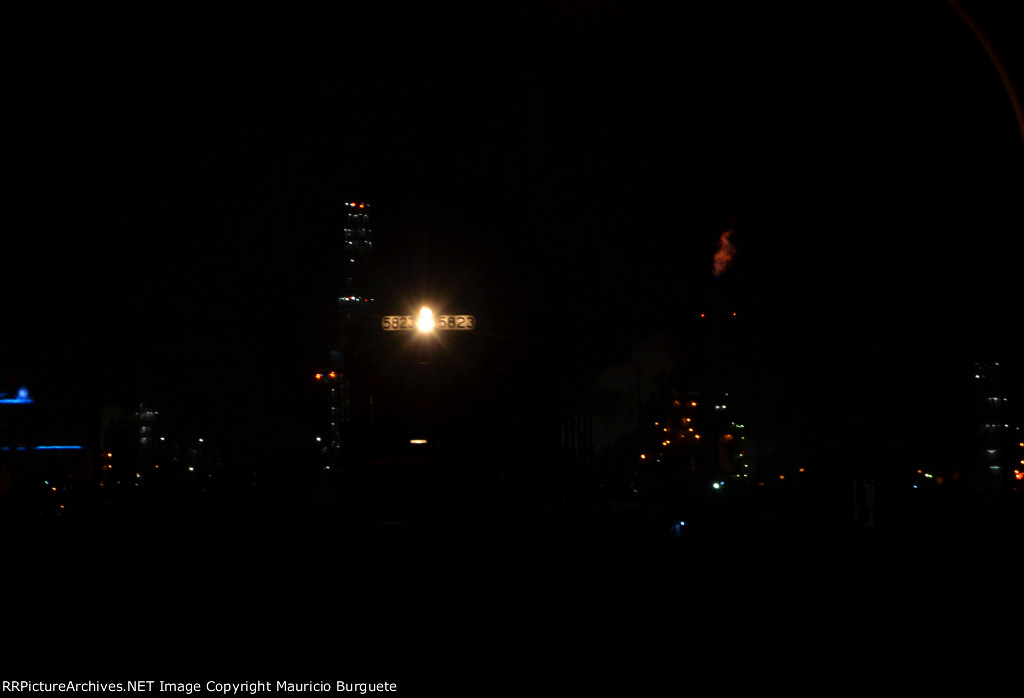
(360, 205)
(332, 374)
(734, 314)
(702, 314)
(1018, 475)
(319, 376)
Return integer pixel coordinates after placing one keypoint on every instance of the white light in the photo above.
(318, 438)
(417, 441)
(425, 323)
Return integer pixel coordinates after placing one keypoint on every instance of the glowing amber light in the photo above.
(643, 457)
(332, 374)
(319, 376)
(1018, 475)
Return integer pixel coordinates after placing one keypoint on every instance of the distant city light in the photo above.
(417, 441)
(22, 398)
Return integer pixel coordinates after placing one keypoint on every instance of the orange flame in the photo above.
(725, 252)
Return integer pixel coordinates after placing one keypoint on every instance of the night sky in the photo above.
(174, 176)
(172, 197)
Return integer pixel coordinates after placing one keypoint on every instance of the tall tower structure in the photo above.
(334, 377)
(358, 246)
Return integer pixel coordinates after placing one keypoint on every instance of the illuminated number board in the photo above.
(456, 322)
(398, 322)
(441, 322)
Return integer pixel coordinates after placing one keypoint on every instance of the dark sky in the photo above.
(173, 177)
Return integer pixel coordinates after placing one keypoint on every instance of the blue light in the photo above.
(58, 448)
(22, 399)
